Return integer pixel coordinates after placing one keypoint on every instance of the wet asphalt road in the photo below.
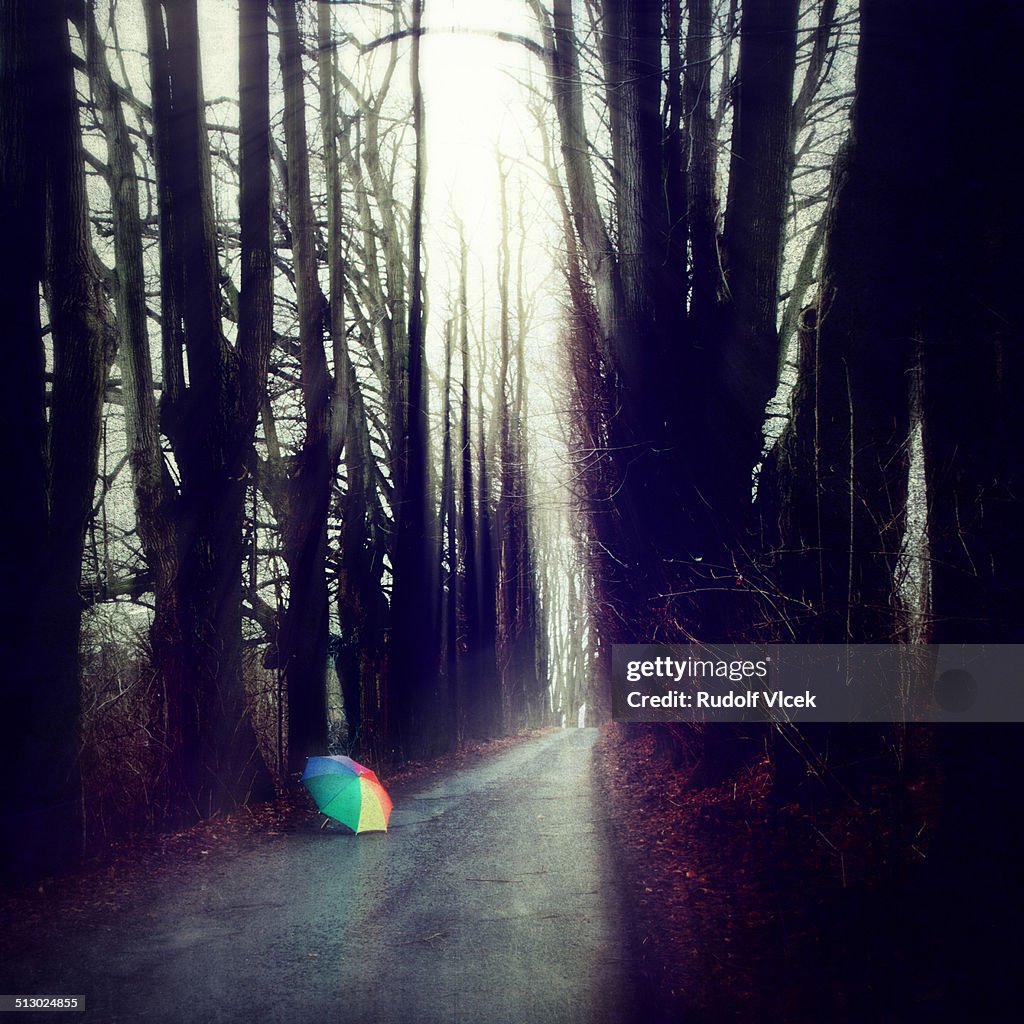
(491, 899)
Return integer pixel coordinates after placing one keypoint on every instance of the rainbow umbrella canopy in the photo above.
(348, 792)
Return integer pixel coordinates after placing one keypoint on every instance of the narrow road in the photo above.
(492, 899)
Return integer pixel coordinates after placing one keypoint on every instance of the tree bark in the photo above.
(448, 597)
(475, 656)
(744, 364)
(700, 171)
(44, 201)
(154, 492)
(304, 627)
(218, 762)
(880, 229)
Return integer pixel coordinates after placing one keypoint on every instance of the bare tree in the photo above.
(58, 428)
(413, 660)
(211, 421)
(300, 490)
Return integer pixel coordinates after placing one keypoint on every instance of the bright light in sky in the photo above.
(473, 84)
(478, 90)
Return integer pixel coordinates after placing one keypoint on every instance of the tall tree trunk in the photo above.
(208, 723)
(868, 323)
(362, 606)
(362, 610)
(637, 310)
(530, 646)
(414, 651)
(504, 512)
(28, 819)
(488, 698)
(969, 217)
(632, 51)
(675, 154)
(45, 195)
(472, 670)
(743, 372)
(154, 492)
(567, 94)
(449, 529)
(304, 526)
(81, 330)
(700, 171)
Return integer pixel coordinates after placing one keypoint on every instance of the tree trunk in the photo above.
(304, 527)
(448, 598)
(743, 370)
(700, 172)
(153, 490)
(504, 519)
(45, 198)
(868, 324)
(488, 683)
(414, 651)
(475, 656)
(29, 822)
(207, 719)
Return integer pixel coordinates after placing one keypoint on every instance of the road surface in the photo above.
(492, 899)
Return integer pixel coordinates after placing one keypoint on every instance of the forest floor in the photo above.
(750, 908)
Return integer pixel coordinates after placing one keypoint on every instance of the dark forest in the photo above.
(302, 462)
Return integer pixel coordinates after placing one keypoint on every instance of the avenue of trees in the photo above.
(231, 308)
(699, 280)
(678, 356)
(790, 344)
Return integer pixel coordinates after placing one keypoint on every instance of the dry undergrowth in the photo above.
(745, 908)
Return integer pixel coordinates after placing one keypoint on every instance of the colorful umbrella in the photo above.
(348, 792)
